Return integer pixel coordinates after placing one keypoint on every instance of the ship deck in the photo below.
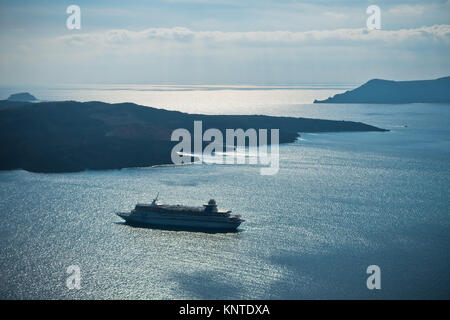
(177, 207)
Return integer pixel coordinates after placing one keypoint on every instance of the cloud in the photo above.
(335, 15)
(223, 41)
(407, 10)
(117, 37)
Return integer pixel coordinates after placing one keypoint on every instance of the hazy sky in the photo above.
(222, 41)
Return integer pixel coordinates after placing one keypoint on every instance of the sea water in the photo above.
(339, 203)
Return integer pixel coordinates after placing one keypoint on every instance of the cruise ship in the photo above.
(181, 217)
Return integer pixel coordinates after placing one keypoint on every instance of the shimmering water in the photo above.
(340, 202)
(208, 99)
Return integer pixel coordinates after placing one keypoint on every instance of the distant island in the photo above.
(70, 136)
(390, 92)
(22, 97)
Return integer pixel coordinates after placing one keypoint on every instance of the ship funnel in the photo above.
(211, 206)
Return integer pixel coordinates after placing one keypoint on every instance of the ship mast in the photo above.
(155, 200)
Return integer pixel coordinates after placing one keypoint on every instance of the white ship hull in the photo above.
(182, 222)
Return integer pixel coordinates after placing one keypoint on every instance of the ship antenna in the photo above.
(156, 199)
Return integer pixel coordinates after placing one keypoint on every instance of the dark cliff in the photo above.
(71, 136)
(390, 92)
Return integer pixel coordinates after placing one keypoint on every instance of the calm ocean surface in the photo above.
(340, 202)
